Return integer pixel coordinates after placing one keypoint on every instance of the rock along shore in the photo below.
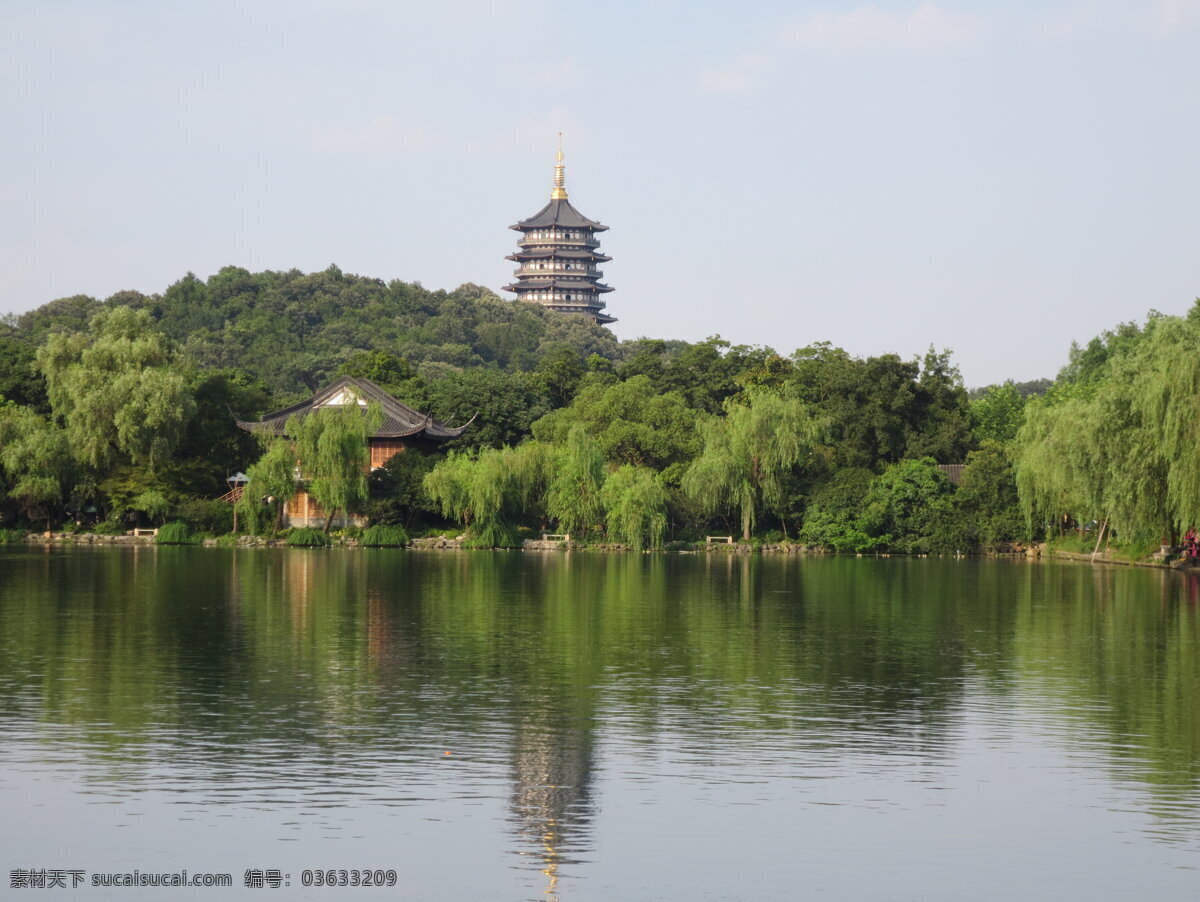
(458, 543)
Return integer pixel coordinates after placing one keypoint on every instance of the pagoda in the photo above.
(557, 256)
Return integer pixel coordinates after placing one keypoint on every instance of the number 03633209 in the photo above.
(352, 877)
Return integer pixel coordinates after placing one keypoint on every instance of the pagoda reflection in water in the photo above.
(551, 802)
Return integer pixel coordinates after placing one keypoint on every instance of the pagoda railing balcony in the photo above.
(577, 298)
(558, 271)
(556, 242)
(572, 307)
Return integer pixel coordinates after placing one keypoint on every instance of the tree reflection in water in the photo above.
(365, 665)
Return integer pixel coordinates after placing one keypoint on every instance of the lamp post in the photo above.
(235, 481)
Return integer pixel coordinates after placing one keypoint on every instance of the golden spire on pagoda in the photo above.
(560, 191)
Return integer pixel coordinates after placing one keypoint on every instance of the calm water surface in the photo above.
(587, 727)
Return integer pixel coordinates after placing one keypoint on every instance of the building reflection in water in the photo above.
(551, 806)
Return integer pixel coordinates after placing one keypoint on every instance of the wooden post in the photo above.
(1099, 536)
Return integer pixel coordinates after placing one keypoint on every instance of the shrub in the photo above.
(11, 536)
(397, 490)
(175, 533)
(380, 536)
(226, 541)
(680, 546)
(492, 535)
(153, 504)
(307, 537)
(909, 509)
(113, 526)
(205, 515)
(833, 518)
(986, 502)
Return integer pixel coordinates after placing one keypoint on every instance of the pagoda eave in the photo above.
(559, 284)
(558, 213)
(564, 253)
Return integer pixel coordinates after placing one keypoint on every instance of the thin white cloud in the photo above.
(382, 135)
(927, 28)
(1176, 15)
(868, 29)
(1082, 17)
(735, 78)
(1072, 19)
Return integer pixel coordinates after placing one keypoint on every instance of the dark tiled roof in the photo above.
(541, 284)
(592, 310)
(399, 420)
(565, 254)
(953, 471)
(558, 212)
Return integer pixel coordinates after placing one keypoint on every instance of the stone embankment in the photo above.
(569, 545)
(1160, 560)
(85, 538)
(1163, 560)
(440, 543)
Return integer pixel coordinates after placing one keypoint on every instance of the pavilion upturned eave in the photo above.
(399, 420)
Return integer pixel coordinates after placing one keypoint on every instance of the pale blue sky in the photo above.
(994, 178)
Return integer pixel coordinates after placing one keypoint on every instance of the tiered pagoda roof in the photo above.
(558, 256)
(564, 254)
(558, 212)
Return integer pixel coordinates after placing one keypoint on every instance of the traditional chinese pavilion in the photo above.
(558, 255)
(401, 427)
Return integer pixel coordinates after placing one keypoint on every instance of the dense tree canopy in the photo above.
(36, 459)
(630, 421)
(1117, 440)
(115, 390)
(748, 453)
(127, 405)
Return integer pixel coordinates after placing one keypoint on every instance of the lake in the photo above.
(581, 726)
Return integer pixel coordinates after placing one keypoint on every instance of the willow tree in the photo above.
(573, 498)
(116, 389)
(1136, 471)
(486, 491)
(36, 458)
(635, 507)
(449, 484)
(748, 453)
(331, 444)
(1056, 459)
(1099, 449)
(1166, 392)
(271, 481)
(530, 467)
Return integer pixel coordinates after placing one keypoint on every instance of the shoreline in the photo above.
(443, 543)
